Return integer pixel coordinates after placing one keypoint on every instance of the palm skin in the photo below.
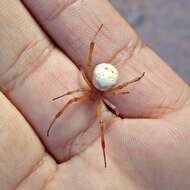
(148, 147)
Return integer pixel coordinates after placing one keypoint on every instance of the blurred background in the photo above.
(165, 26)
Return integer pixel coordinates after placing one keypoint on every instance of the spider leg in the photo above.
(89, 61)
(113, 107)
(90, 53)
(115, 93)
(76, 99)
(85, 78)
(101, 125)
(70, 92)
(127, 83)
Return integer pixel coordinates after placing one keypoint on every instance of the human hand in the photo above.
(148, 148)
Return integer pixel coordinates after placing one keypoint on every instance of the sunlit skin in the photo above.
(96, 93)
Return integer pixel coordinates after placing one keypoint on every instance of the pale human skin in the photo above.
(149, 148)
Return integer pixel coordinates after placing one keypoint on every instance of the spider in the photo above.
(102, 80)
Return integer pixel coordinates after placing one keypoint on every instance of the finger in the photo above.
(153, 148)
(21, 152)
(32, 73)
(147, 157)
(72, 24)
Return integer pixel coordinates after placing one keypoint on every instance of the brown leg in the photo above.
(70, 92)
(101, 125)
(90, 53)
(76, 99)
(85, 78)
(119, 87)
(113, 107)
(115, 93)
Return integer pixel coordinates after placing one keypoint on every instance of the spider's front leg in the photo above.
(125, 84)
(90, 53)
(101, 125)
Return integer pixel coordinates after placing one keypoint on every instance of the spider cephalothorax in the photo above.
(102, 80)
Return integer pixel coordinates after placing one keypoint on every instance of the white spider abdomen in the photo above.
(105, 76)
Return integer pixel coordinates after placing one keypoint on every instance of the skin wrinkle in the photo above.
(22, 53)
(141, 183)
(153, 63)
(167, 110)
(158, 112)
(60, 7)
(93, 13)
(129, 154)
(51, 178)
(16, 60)
(129, 177)
(129, 47)
(77, 39)
(19, 78)
(112, 119)
(70, 143)
(108, 37)
(91, 165)
(68, 146)
(131, 51)
(150, 71)
(94, 31)
(93, 21)
(147, 66)
(31, 170)
(123, 171)
(37, 167)
(46, 53)
(95, 26)
(96, 137)
(178, 99)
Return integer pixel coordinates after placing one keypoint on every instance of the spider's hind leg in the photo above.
(101, 125)
(113, 107)
(60, 112)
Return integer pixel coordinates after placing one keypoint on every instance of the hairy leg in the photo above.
(86, 78)
(101, 125)
(113, 107)
(90, 53)
(119, 87)
(76, 99)
(115, 93)
(71, 92)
